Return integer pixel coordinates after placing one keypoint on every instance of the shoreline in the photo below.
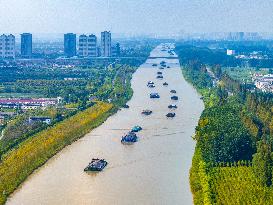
(199, 92)
(171, 144)
(115, 107)
(94, 124)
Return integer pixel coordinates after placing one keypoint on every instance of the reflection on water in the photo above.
(155, 170)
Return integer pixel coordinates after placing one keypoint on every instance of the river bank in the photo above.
(19, 163)
(155, 170)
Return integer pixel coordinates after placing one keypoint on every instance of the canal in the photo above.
(155, 170)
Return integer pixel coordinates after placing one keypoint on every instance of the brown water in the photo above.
(155, 170)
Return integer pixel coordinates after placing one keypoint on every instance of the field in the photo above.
(244, 74)
(238, 185)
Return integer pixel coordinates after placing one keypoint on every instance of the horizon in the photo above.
(142, 18)
(136, 101)
(118, 36)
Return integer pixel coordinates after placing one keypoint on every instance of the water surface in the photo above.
(155, 170)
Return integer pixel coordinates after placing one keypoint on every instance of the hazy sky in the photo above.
(135, 16)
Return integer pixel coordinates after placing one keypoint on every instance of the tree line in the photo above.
(234, 134)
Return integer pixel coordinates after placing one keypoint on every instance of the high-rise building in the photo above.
(236, 36)
(98, 51)
(70, 45)
(83, 50)
(92, 45)
(106, 44)
(252, 36)
(241, 36)
(88, 46)
(26, 45)
(116, 50)
(7, 46)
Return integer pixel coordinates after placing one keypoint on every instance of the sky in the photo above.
(135, 16)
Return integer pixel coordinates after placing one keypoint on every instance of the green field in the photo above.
(20, 95)
(244, 74)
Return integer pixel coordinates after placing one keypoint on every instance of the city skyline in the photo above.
(87, 46)
(139, 18)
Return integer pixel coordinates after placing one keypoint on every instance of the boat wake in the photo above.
(140, 160)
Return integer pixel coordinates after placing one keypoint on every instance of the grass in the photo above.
(244, 74)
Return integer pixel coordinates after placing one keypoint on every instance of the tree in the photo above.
(218, 71)
(222, 94)
(262, 162)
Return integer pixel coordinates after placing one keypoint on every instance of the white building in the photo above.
(28, 104)
(265, 83)
(7, 46)
(106, 44)
(88, 46)
(46, 120)
(230, 52)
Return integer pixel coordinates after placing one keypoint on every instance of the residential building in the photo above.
(92, 45)
(252, 36)
(116, 50)
(236, 36)
(83, 50)
(46, 120)
(106, 44)
(28, 104)
(26, 45)
(241, 36)
(264, 83)
(7, 46)
(7, 114)
(98, 51)
(70, 49)
(88, 46)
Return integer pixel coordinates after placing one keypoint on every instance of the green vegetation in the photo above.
(237, 185)
(244, 74)
(233, 158)
(199, 78)
(19, 129)
(113, 85)
(73, 85)
(117, 88)
(221, 136)
(20, 95)
(205, 56)
(32, 150)
(19, 163)
(24, 146)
